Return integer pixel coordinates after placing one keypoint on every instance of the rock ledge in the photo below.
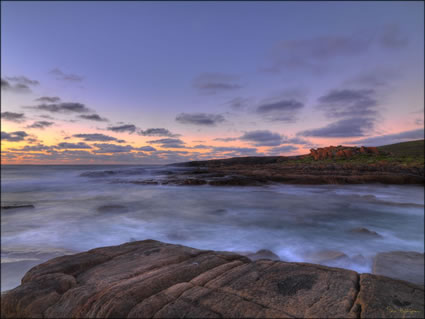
(151, 279)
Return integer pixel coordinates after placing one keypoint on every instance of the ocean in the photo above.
(80, 207)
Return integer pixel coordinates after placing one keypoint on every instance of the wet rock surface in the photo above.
(151, 279)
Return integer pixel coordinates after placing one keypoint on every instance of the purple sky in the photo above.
(174, 81)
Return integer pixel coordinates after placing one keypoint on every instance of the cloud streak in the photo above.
(201, 119)
(40, 124)
(66, 107)
(97, 137)
(13, 117)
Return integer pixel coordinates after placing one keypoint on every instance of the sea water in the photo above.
(77, 208)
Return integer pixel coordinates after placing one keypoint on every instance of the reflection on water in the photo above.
(77, 208)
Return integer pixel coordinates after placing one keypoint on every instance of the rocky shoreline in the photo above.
(151, 279)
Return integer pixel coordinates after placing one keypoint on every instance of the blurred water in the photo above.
(75, 213)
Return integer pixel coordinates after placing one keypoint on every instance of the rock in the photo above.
(404, 265)
(364, 231)
(146, 279)
(112, 209)
(326, 256)
(17, 206)
(262, 254)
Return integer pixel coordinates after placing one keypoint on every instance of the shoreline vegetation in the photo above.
(401, 163)
(145, 279)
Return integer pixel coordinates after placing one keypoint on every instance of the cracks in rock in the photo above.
(356, 308)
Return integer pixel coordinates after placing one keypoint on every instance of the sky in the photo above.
(163, 82)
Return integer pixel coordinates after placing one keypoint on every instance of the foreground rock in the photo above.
(148, 278)
(406, 265)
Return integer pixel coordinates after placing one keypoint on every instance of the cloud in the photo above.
(93, 117)
(284, 149)
(130, 128)
(200, 119)
(239, 103)
(349, 103)
(390, 138)
(16, 88)
(157, 132)
(284, 110)
(66, 76)
(315, 54)
(40, 124)
(66, 107)
(342, 128)
(169, 143)
(226, 139)
(146, 149)
(48, 99)
(112, 148)
(212, 83)
(262, 138)
(13, 136)
(13, 117)
(96, 137)
(22, 80)
(79, 145)
(32, 148)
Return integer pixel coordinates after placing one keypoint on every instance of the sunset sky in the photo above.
(144, 82)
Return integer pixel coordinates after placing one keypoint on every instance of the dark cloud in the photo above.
(48, 99)
(96, 137)
(157, 132)
(40, 124)
(13, 117)
(169, 143)
(66, 76)
(342, 128)
(79, 145)
(16, 88)
(201, 146)
(215, 82)
(284, 110)
(297, 140)
(262, 138)
(146, 149)
(226, 139)
(349, 103)
(130, 128)
(282, 150)
(112, 148)
(13, 136)
(93, 117)
(390, 138)
(66, 107)
(32, 148)
(200, 119)
(22, 80)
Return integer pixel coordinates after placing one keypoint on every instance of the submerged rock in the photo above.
(404, 265)
(146, 279)
(17, 206)
(365, 231)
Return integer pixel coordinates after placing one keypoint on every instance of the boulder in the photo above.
(404, 265)
(151, 279)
